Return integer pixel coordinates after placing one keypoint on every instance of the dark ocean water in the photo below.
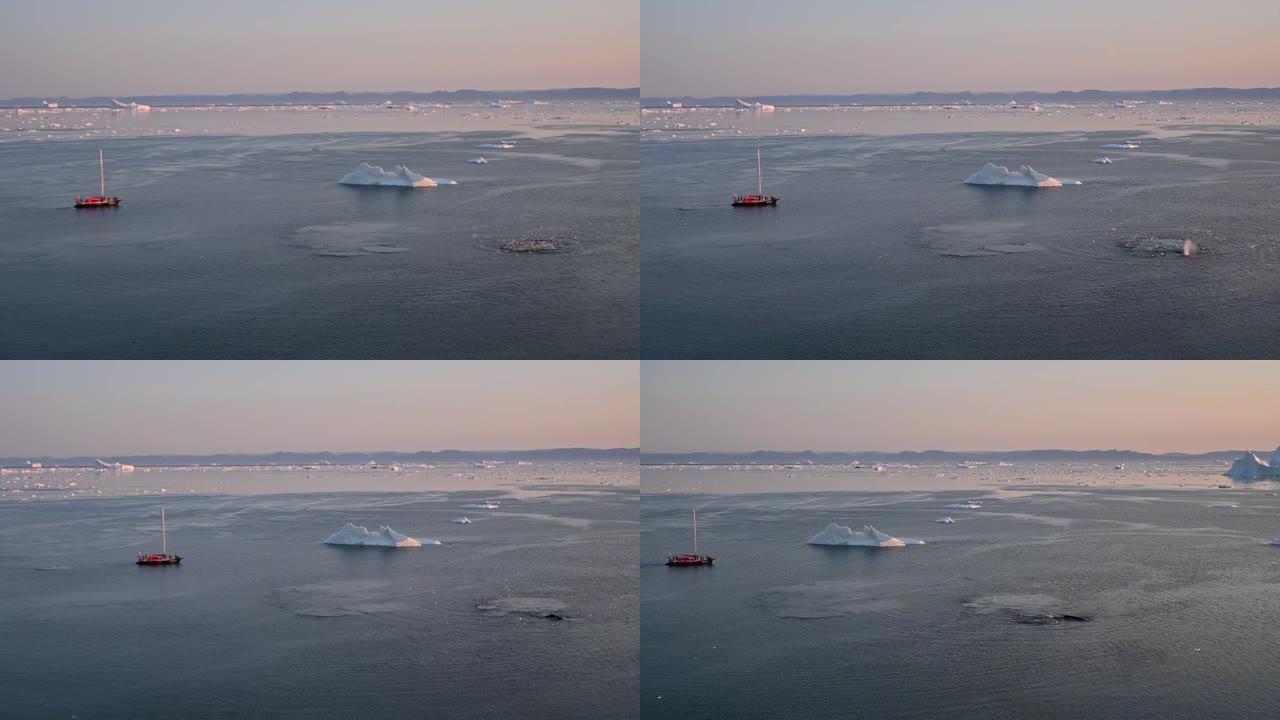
(877, 249)
(263, 620)
(235, 247)
(1183, 599)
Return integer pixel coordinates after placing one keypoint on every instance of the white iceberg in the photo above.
(1104, 160)
(836, 534)
(946, 520)
(1251, 467)
(402, 176)
(964, 506)
(464, 520)
(352, 534)
(1126, 145)
(505, 145)
(136, 107)
(478, 161)
(486, 505)
(1026, 176)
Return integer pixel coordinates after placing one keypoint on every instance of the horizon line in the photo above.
(331, 92)
(905, 93)
(325, 452)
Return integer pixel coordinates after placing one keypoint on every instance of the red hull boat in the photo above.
(163, 557)
(758, 199)
(694, 558)
(100, 200)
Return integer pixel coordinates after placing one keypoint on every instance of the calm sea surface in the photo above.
(235, 246)
(878, 250)
(263, 620)
(1179, 598)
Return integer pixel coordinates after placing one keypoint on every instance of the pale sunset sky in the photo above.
(1150, 406)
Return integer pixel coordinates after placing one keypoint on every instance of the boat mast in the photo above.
(102, 190)
(759, 174)
(164, 534)
(695, 531)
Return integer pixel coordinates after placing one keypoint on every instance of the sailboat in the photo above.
(759, 199)
(695, 558)
(101, 199)
(163, 557)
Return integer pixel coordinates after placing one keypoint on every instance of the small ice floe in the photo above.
(402, 176)
(1225, 506)
(504, 145)
(464, 520)
(486, 505)
(1126, 145)
(968, 505)
(352, 534)
(1026, 176)
(946, 520)
(1104, 160)
(529, 245)
(478, 161)
(836, 534)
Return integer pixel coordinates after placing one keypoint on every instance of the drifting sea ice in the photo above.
(402, 176)
(464, 520)
(486, 505)
(478, 161)
(836, 534)
(498, 146)
(1104, 160)
(992, 174)
(945, 520)
(352, 534)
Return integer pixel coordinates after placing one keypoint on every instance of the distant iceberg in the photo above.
(505, 145)
(136, 107)
(1104, 160)
(478, 161)
(402, 176)
(1251, 467)
(992, 174)
(836, 534)
(486, 505)
(351, 534)
(946, 520)
(964, 506)
(464, 520)
(1126, 145)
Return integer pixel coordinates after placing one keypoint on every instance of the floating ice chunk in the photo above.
(964, 506)
(478, 161)
(1104, 160)
(1251, 467)
(1126, 145)
(402, 176)
(946, 520)
(504, 145)
(351, 534)
(992, 174)
(836, 534)
(464, 520)
(486, 505)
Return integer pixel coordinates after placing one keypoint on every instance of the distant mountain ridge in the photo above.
(333, 98)
(781, 457)
(341, 458)
(981, 98)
